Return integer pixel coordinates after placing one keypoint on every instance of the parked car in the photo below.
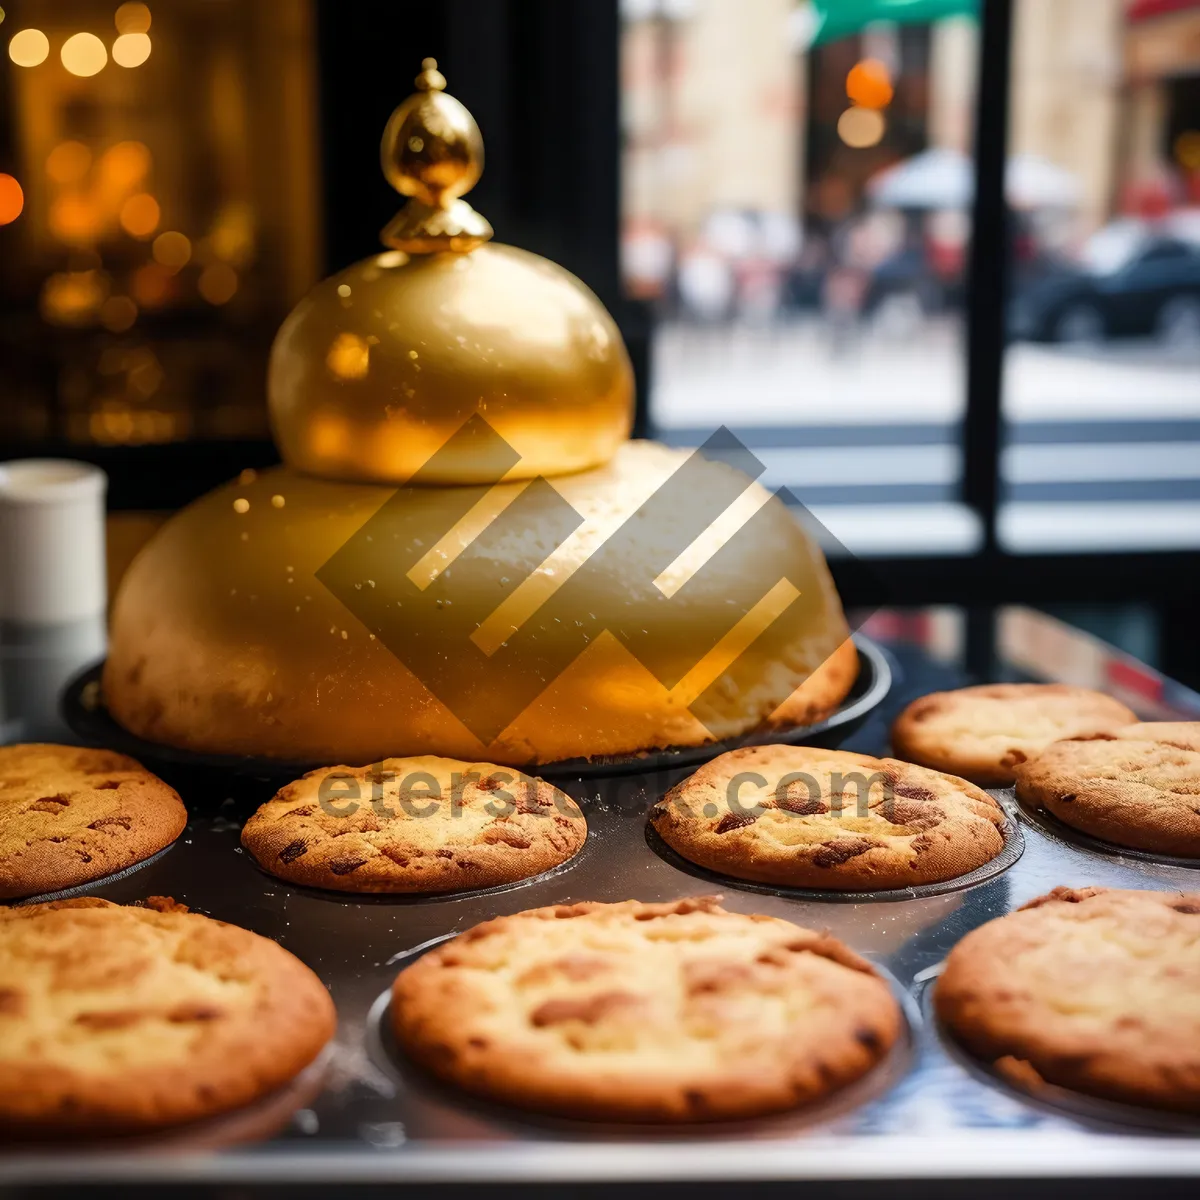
(1131, 282)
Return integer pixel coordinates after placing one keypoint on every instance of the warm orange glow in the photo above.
(118, 313)
(232, 235)
(124, 165)
(869, 84)
(29, 48)
(348, 357)
(218, 283)
(152, 285)
(115, 423)
(73, 297)
(68, 162)
(12, 199)
(172, 250)
(84, 54)
(861, 127)
(144, 375)
(1187, 149)
(132, 18)
(131, 49)
(140, 215)
(75, 219)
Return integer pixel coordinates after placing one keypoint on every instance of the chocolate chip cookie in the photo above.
(1092, 989)
(645, 1012)
(70, 815)
(121, 1018)
(983, 733)
(423, 824)
(1138, 786)
(813, 818)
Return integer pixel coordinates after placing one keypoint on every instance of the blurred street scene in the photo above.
(797, 191)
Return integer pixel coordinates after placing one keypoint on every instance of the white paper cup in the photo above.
(52, 563)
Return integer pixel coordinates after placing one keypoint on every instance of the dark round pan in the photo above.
(84, 711)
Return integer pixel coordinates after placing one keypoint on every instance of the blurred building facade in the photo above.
(1065, 93)
(1161, 62)
(736, 130)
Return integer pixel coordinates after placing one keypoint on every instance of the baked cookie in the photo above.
(118, 1019)
(70, 815)
(1138, 786)
(1092, 989)
(414, 825)
(645, 1012)
(983, 733)
(812, 818)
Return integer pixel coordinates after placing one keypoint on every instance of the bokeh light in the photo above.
(172, 250)
(84, 54)
(131, 49)
(152, 285)
(349, 357)
(232, 235)
(132, 18)
(218, 283)
(75, 219)
(12, 199)
(869, 84)
(860, 128)
(68, 162)
(124, 165)
(73, 298)
(1187, 149)
(29, 47)
(118, 313)
(140, 215)
(143, 373)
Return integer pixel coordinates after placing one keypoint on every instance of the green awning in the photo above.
(833, 19)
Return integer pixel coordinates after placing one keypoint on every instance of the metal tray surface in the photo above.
(929, 1113)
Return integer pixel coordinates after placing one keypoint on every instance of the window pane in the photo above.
(1102, 387)
(797, 179)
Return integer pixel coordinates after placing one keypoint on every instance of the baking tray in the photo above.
(930, 1114)
(84, 712)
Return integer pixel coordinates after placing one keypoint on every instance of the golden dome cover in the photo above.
(381, 363)
(463, 555)
(225, 640)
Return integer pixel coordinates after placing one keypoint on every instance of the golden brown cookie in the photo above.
(70, 815)
(1138, 786)
(982, 733)
(645, 1012)
(813, 818)
(1092, 989)
(117, 1019)
(414, 825)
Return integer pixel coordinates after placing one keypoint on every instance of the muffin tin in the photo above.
(929, 1112)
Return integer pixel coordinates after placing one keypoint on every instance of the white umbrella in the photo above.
(1033, 182)
(943, 178)
(933, 179)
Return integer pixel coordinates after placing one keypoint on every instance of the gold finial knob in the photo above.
(432, 152)
(430, 78)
